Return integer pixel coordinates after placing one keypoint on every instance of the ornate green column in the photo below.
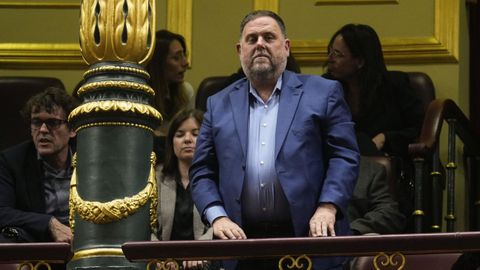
(113, 192)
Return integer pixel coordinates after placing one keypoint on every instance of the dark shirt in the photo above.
(57, 190)
(182, 228)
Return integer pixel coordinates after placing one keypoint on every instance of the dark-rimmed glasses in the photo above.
(51, 123)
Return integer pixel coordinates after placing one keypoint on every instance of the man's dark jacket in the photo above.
(22, 196)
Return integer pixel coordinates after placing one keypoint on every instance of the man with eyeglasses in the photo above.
(35, 175)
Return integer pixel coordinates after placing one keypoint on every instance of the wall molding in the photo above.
(38, 5)
(354, 2)
(441, 47)
(179, 20)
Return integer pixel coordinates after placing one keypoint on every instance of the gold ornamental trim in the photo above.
(116, 84)
(31, 266)
(450, 217)
(385, 260)
(297, 263)
(115, 106)
(97, 252)
(101, 124)
(435, 174)
(418, 213)
(107, 212)
(162, 265)
(451, 165)
(116, 69)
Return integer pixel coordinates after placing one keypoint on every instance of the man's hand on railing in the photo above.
(60, 232)
(323, 220)
(224, 228)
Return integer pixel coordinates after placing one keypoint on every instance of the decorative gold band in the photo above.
(116, 84)
(435, 174)
(451, 165)
(116, 69)
(97, 252)
(97, 124)
(386, 260)
(106, 212)
(418, 213)
(450, 217)
(30, 266)
(297, 263)
(114, 106)
(167, 264)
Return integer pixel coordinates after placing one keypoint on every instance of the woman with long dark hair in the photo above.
(177, 216)
(387, 113)
(167, 71)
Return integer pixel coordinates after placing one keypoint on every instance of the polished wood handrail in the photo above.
(329, 246)
(20, 252)
(438, 111)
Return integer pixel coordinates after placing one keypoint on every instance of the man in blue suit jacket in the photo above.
(276, 155)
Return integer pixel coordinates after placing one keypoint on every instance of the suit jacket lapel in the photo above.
(239, 102)
(289, 99)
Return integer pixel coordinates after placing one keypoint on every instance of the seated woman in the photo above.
(387, 113)
(167, 71)
(178, 218)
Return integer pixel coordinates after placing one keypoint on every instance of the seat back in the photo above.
(14, 93)
(208, 87)
(423, 86)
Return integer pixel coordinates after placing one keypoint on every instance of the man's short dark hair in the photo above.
(263, 13)
(47, 101)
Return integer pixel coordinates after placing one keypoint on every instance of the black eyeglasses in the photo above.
(51, 123)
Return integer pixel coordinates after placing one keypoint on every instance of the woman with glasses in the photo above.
(387, 113)
(167, 77)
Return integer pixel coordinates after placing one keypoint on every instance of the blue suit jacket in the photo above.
(316, 155)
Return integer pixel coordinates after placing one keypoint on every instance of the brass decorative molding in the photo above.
(441, 47)
(179, 20)
(114, 106)
(114, 84)
(116, 69)
(114, 210)
(31, 266)
(106, 124)
(266, 4)
(162, 264)
(37, 5)
(117, 30)
(397, 259)
(97, 252)
(354, 2)
(291, 263)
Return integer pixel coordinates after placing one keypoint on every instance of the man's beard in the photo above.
(259, 72)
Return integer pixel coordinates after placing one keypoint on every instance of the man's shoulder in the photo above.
(238, 84)
(19, 150)
(308, 79)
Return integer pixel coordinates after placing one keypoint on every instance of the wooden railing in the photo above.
(381, 248)
(426, 154)
(293, 249)
(33, 255)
